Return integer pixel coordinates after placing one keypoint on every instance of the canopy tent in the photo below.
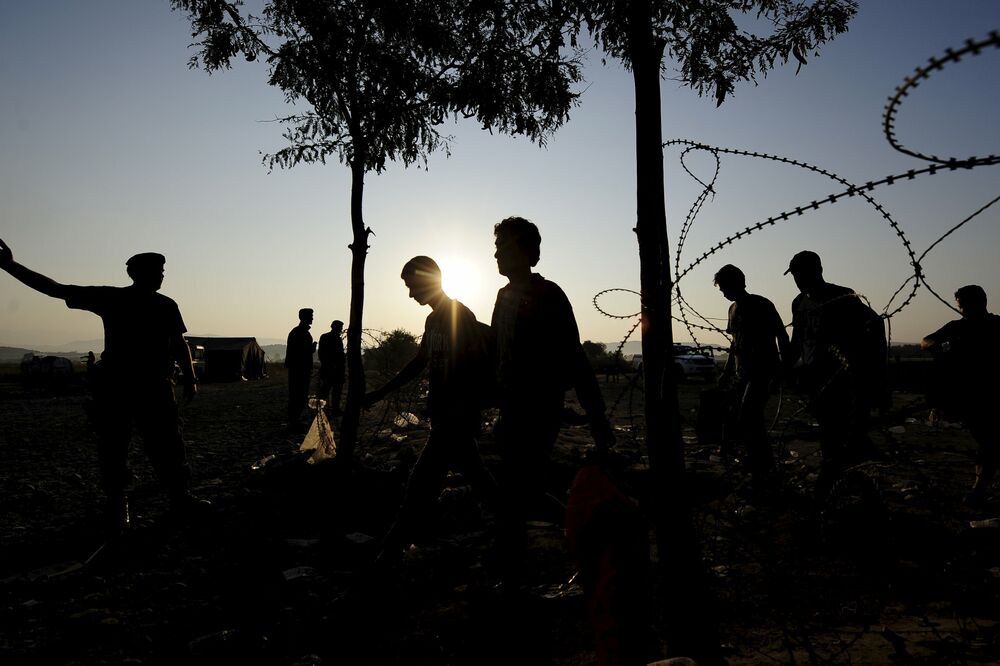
(231, 359)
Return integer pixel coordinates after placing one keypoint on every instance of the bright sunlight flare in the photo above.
(460, 278)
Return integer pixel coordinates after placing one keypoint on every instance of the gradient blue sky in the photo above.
(112, 146)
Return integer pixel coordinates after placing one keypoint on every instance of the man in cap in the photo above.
(299, 352)
(842, 346)
(331, 365)
(143, 340)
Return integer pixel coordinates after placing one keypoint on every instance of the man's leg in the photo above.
(752, 427)
(298, 396)
(987, 439)
(160, 429)
(525, 442)
(422, 488)
(114, 434)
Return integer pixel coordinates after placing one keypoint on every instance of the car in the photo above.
(689, 362)
(694, 362)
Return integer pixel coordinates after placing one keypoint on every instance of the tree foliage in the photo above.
(710, 41)
(376, 80)
(392, 352)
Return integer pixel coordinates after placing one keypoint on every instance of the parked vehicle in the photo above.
(689, 362)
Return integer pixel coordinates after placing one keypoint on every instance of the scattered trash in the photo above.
(540, 523)
(911, 420)
(262, 462)
(358, 537)
(302, 543)
(54, 571)
(319, 439)
(211, 642)
(897, 430)
(298, 572)
(567, 590)
(993, 523)
(398, 438)
(405, 419)
(31, 603)
(995, 572)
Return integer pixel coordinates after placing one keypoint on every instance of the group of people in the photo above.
(523, 363)
(838, 344)
(531, 353)
(299, 351)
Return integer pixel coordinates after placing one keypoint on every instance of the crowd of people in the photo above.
(523, 363)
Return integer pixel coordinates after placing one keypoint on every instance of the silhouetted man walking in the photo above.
(841, 343)
(759, 342)
(971, 369)
(455, 350)
(331, 365)
(133, 383)
(299, 350)
(539, 358)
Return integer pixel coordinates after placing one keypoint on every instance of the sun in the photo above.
(460, 278)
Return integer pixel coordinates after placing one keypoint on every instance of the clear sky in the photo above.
(110, 146)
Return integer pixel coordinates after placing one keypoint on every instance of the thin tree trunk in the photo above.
(355, 369)
(688, 613)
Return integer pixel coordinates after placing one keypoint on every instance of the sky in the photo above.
(111, 146)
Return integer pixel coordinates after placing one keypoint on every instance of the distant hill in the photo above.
(15, 354)
(8, 354)
(275, 353)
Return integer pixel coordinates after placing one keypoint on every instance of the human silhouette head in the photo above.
(971, 300)
(146, 270)
(422, 276)
(731, 281)
(306, 316)
(518, 246)
(337, 326)
(807, 270)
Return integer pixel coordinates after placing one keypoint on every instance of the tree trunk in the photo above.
(688, 614)
(355, 369)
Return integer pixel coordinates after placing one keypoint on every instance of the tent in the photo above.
(231, 359)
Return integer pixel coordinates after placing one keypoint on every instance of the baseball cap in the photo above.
(806, 260)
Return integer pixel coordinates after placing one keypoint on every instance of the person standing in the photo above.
(299, 350)
(539, 357)
(842, 346)
(759, 342)
(331, 366)
(964, 346)
(133, 382)
(455, 350)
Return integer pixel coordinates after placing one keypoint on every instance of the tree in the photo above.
(376, 80)
(712, 53)
(392, 353)
(597, 354)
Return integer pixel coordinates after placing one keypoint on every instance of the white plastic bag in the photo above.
(319, 439)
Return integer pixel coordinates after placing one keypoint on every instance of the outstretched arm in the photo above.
(409, 372)
(36, 281)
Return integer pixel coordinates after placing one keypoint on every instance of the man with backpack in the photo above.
(456, 351)
(842, 346)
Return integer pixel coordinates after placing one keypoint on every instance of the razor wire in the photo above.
(937, 164)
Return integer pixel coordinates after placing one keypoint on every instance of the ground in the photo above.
(890, 571)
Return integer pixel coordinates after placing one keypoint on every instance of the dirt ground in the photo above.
(889, 571)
